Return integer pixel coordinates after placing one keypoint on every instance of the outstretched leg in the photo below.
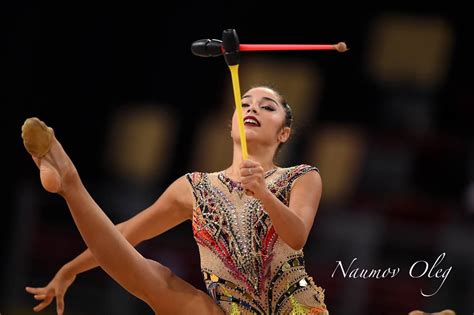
(148, 280)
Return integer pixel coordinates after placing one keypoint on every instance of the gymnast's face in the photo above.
(264, 118)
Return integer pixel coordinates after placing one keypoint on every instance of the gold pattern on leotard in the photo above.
(247, 268)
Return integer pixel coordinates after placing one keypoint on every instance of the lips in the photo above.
(251, 121)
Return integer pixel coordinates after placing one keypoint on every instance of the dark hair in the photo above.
(288, 111)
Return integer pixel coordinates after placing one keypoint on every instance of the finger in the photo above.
(43, 304)
(254, 178)
(251, 171)
(249, 186)
(35, 290)
(40, 296)
(245, 181)
(251, 179)
(249, 192)
(60, 304)
(258, 170)
(244, 172)
(248, 163)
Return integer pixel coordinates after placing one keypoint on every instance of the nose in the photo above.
(252, 108)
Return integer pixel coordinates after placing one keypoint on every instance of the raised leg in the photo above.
(148, 280)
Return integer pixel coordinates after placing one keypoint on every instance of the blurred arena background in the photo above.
(388, 123)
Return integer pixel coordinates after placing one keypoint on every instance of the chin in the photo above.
(250, 135)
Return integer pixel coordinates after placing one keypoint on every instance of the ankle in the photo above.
(70, 182)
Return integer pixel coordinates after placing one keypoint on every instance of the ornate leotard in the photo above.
(247, 268)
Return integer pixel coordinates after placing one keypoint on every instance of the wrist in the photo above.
(266, 196)
(68, 270)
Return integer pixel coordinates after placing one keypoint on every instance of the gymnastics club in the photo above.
(215, 47)
(230, 47)
(230, 44)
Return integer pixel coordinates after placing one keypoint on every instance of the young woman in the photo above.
(250, 222)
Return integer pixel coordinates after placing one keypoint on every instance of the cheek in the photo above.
(234, 125)
(278, 123)
(234, 120)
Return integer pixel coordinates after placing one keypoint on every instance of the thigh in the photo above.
(173, 295)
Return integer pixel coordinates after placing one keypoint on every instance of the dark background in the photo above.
(77, 67)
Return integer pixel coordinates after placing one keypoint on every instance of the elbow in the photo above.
(299, 238)
(297, 244)
(295, 240)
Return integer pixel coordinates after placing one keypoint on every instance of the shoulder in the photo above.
(296, 171)
(310, 174)
(196, 178)
(193, 177)
(180, 185)
(189, 187)
(302, 169)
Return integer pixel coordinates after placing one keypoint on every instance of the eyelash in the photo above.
(266, 107)
(269, 108)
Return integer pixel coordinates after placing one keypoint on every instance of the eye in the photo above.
(245, 105)
(268, 107)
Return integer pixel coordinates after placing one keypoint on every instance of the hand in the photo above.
(252, 178)
(56, 288)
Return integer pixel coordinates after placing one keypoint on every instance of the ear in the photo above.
(284, 134)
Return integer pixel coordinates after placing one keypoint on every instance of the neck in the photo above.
(260, 154)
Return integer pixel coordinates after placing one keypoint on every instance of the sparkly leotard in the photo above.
(247, 268)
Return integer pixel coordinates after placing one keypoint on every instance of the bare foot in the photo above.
(48, 154)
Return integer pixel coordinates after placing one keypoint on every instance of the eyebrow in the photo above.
(263, 98)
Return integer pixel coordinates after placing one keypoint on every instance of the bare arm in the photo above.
(112, 249)
(171, 209)
(85, 261)
(292, 223)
